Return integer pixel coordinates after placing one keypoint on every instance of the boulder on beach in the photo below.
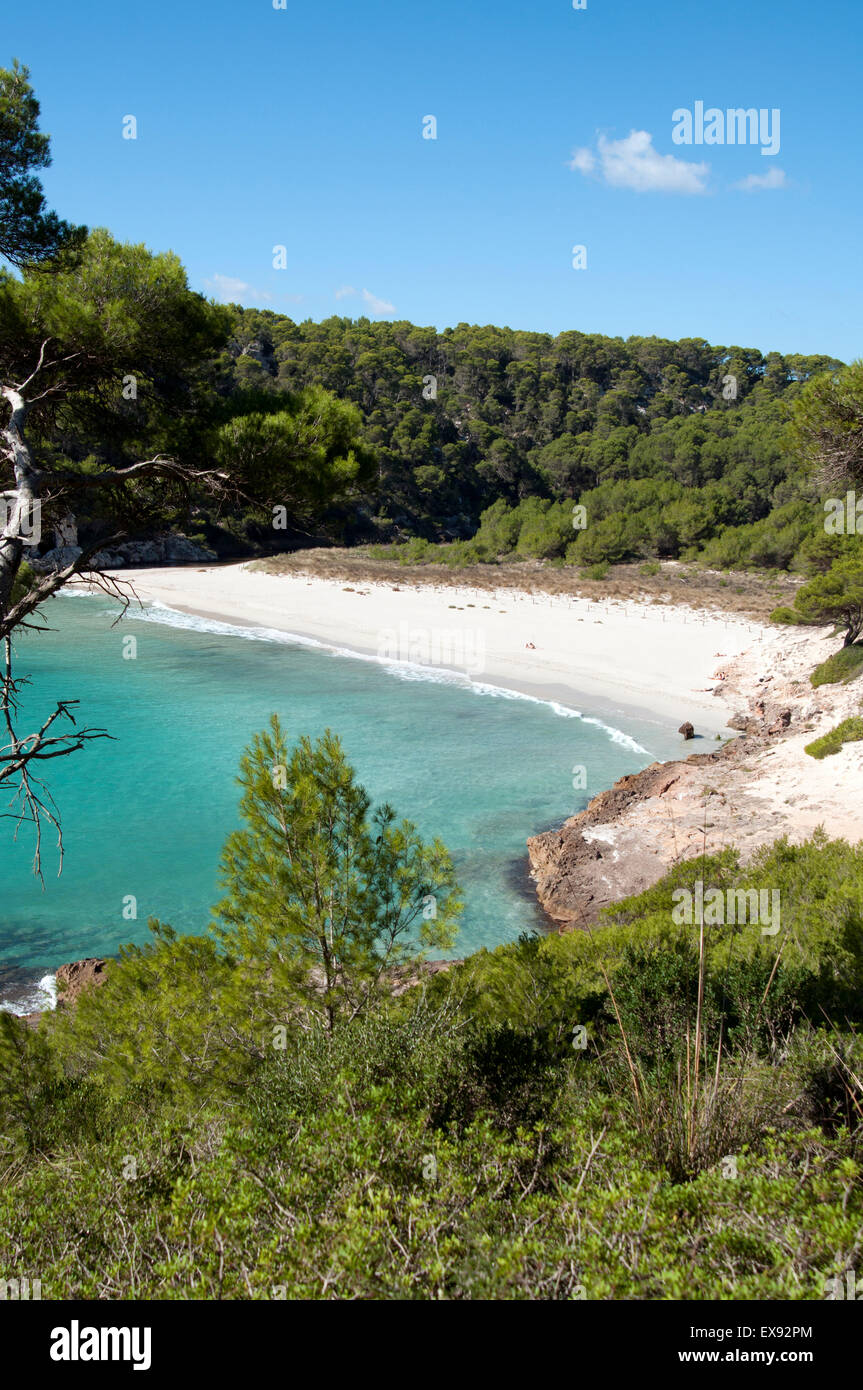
(687, 730)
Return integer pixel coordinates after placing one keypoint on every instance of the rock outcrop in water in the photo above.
(603, 854)
(72, 979)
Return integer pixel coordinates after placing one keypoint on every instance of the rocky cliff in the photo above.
(72, 979)
(621, 843)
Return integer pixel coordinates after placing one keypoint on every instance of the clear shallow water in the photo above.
(146, 814)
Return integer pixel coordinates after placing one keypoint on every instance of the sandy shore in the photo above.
(748, 795)
(653, 660)
(627, 655)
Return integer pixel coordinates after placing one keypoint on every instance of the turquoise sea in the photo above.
(145, 814)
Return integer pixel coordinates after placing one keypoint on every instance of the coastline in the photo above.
(745, 795)
(644, 659)
(621, 657)
(606, 659)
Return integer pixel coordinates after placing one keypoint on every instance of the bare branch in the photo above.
(36, 370)
(159, 467)
(50, 584)
(31, 801)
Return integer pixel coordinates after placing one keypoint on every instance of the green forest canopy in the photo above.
(676, 449)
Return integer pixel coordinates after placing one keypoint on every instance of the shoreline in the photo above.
(575, 664)
(630, 834)
(613, 661)
(745, 795)
(617, 659)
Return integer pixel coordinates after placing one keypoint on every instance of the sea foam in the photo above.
(158, 612)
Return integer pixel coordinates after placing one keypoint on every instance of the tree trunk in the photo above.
(24, 497)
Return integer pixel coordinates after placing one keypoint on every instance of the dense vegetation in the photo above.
(844, 665)
(849, 731)
(254, 432)
(638, 432)
(615, 1114)
(522, 428)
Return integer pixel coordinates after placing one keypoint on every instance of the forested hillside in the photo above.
(148, 409)
(290, 1103)
(264, 434)
(667, 445)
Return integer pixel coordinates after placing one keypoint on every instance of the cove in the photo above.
(145, 814)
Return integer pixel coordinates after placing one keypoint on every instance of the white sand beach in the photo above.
(635, 656)
(640, 657)
(612, 656)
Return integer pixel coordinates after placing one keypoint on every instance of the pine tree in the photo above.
(835, 597)
(324, 897)
(30, 234)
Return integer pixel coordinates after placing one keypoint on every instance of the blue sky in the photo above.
(302, 127)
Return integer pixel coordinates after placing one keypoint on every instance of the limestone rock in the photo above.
(66, 531)
(161, 550)
(55, 559)
(780, 724)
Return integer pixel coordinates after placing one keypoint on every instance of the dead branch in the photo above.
(31, 800)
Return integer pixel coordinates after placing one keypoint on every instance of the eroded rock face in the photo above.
(780, 724)
(766, 717)
(55, 559)
(78, 975)
(598, 857)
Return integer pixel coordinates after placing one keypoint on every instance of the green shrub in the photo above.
(787, 616)
(457, 1141)
(849, 731)
(843, 666)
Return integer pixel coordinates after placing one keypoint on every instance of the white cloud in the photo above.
(634, 163)
(378, 306)
(583, 161)
(232, 291)
(774, 178)
(345, 291)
